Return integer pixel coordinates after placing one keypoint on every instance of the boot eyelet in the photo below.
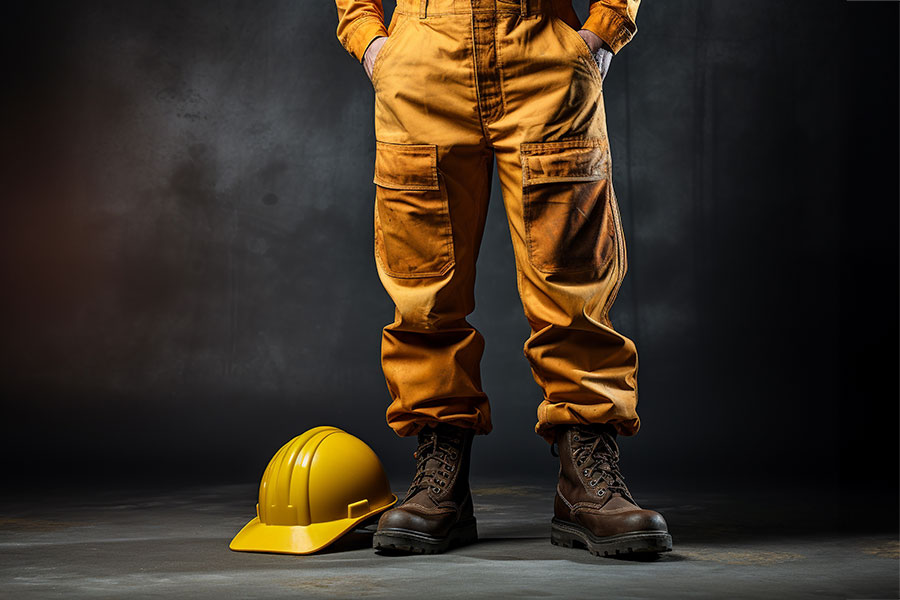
(576, 438)
(436, 490)
(601, 491)
(585, 472)
(594, 483)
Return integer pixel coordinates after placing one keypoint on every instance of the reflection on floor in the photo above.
(113, 544)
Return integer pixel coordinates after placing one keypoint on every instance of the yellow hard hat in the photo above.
(319, 486)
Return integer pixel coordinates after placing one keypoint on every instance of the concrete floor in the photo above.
(115, 544)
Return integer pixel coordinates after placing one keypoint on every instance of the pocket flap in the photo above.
(406, 166)
(568, 160)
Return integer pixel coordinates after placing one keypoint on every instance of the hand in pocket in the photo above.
(602, 53)
(371, 53)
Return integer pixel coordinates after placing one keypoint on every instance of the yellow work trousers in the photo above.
(458, 83)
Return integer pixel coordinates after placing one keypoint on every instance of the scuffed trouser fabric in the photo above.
(457, 83)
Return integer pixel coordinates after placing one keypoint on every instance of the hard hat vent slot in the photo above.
(357, 509)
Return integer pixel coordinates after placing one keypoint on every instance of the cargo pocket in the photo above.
(413, 235)
(570, 222)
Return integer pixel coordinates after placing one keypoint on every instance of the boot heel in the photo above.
(466, 534)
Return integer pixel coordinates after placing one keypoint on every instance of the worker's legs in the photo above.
(455, 79)
(432, 174)
(554, 164)
(530, 81)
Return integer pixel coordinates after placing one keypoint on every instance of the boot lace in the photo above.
(596, 453)
(435, 461)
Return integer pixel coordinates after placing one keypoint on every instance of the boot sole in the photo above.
(570, 535)
(407, 541)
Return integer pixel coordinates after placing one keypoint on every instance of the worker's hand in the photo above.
(371, 52)
(601, 51)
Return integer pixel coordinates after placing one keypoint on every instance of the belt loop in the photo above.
(524, 8)
(423, 7)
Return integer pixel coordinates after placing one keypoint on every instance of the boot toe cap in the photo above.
(408, 518)
(644, 520)
(399, 518)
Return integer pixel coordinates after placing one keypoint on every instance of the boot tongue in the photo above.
(597, 447)
(618, 501)
(432, 464)
(429, 464)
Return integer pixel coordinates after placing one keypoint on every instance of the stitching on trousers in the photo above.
(501, 78)
(473, 79)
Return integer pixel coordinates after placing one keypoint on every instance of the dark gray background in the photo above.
(187, 272)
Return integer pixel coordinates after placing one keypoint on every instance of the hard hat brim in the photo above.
(296, 539)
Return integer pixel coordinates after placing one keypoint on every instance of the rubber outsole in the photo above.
(406, 541)
(570, 535)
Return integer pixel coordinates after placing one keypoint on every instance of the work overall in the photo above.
(458, 83)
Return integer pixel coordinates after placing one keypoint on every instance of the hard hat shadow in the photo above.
(352, 540)
(358, 538)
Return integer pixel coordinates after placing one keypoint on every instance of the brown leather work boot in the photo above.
(593, 507)
(437, 511)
